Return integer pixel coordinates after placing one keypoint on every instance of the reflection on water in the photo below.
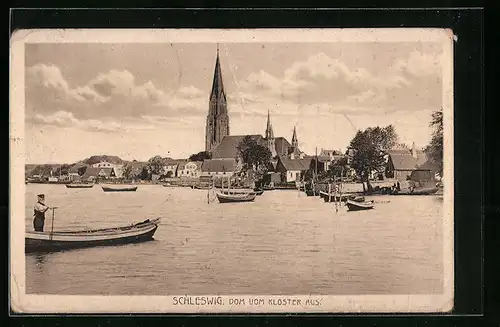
(283, 243)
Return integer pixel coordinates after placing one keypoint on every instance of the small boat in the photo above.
(80, 185)
(332, 197)
(425, 191)
(200, 187)
(268, 188)
(311, 192)
(64, 240)
(119, 188)
(357, 206)
(169, 185)
(229, 197)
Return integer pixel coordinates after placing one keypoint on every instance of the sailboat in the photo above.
(228, 196)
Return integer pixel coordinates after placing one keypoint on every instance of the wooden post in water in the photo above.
(329, 192)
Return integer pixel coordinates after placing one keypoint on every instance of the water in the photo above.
(283, 243)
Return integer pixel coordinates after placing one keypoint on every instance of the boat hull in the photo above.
(332, 198)
(59, 241)
(124, 189)
(80, 186)
(359, 206)
(232, 198)
(417, 192)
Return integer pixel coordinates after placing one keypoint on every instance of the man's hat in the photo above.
(41, 195)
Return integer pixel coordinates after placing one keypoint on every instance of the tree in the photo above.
(369, 148)
(82, 170)
(155, 165)
(200, 156)
(338, 168)
(62, 170)
(435, 148)
(254, 156)
(127, 171)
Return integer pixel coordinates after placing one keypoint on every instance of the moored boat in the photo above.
(426, 191)
(80, 185)
(119, 188)
(229, 197)
(357, 206)
(330, 197)
(63, 240)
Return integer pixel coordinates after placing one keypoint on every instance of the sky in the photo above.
(141, 100)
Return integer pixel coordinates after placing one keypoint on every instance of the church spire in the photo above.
(269, 128)
(217, 119)
(218, 92)
(295, 142)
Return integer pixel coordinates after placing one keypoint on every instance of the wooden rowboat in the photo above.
(119, 188)
(63, 240)
(225, 197)
(82, 185)
(357, 206)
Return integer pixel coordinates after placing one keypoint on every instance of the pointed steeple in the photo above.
(269, 128)
(295, 142)
(217, 126)
(218, 92)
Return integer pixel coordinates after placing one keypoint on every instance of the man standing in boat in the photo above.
(39, 213)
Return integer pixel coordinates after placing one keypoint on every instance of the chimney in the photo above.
(292, 156)
(413, 150)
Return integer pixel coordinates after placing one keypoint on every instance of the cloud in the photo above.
(320, 81)
(115, 94)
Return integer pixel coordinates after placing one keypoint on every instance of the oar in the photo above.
(52, 227)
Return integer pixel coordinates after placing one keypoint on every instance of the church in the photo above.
(222, 145)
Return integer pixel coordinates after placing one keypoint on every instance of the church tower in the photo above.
(270, 136)
(217, 119)
(295, 142)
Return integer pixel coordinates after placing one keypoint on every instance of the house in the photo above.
(403, 163)
(104, 164)
(171, 166)
(191, 169)
(219, 168)
(93, 173)
(292, 170)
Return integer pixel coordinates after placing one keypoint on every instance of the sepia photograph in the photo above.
(245, 171)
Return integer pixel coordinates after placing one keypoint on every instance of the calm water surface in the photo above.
(283, 243)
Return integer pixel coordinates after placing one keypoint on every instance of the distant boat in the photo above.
(229, 197)
(79, 185)
(332, 197)
(169, 185)
(268, 188)
(56, 241)
(358, 206)
(119, 188)
(423, 191)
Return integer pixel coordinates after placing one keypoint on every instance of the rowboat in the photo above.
(229, 197)
(63, 240)
(82, 185)
(426, 191)
(119, 188)
(268, 188)
(357, 206)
